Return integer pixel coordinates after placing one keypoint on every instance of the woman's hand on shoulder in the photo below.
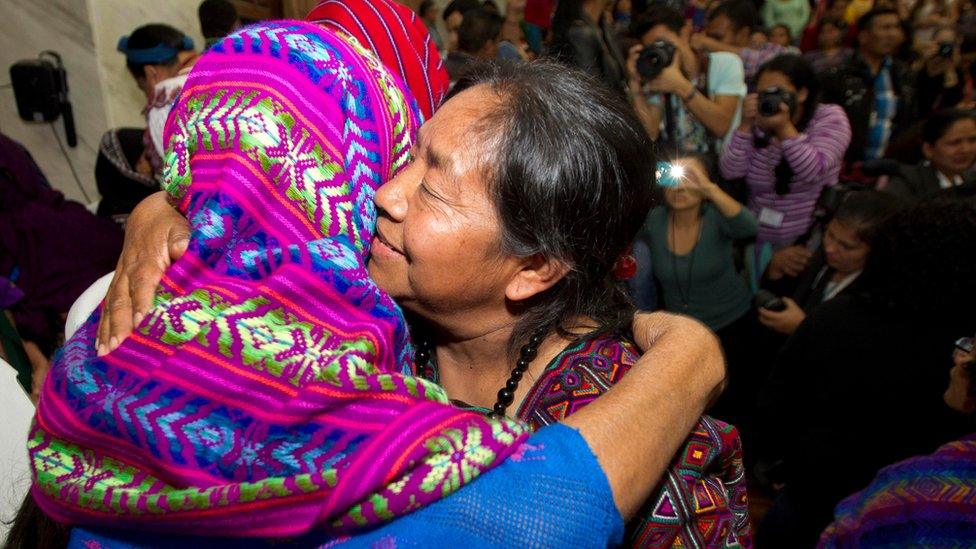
(156, 235)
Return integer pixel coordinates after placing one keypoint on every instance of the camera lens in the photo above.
(769, 106)
(654, 58)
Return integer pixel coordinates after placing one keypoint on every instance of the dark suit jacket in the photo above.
(851, 85)
(921, 182)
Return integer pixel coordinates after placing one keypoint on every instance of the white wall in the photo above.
(63, 26)
(102, 92)
(112, 19)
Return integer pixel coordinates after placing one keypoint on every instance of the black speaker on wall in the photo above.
(41, 90)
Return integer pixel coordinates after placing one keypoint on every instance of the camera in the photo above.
(654, 58)
(669, 174)
(770, 99)
(946, 49)
(765, 299)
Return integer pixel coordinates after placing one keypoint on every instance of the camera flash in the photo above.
(677, 171)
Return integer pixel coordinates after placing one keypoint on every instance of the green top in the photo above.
(706, 276)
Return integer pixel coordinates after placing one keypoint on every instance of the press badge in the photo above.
(770, 218)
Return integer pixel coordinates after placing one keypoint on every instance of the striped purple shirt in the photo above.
(815, 156)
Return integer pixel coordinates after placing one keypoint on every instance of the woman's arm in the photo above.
(635, 428)
(649, 115)
(715, 114)
(736, 155)
(817, 151)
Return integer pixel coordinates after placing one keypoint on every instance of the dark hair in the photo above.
(567, 12)
(660, 15)
(424, 7)
(866, 211)
(834, 22)
(742, 13)
(708, 163)
(802, 75)
(781, 26)
(571, 174)
(217, 18)
(939, 122)
(150, 36)
(32, 529)
(461, 6)
(479, 27)
(921, 264)
(864, 22)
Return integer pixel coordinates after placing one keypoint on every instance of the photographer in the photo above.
(859, 384)
(788, 147)
(835, 267)
(940, 83)
(691, 236)
(704, 93)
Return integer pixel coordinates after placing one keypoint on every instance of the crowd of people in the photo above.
(400, 206)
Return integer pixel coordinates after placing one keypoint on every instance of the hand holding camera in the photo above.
(774, 112)
(688, 176)
(656, 64)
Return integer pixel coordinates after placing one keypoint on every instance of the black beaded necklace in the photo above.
(506, 395)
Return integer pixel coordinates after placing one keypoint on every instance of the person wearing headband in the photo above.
(154, 53)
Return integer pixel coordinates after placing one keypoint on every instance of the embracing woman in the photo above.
(316, 345)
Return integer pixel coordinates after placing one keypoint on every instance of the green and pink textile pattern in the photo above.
(265, 393)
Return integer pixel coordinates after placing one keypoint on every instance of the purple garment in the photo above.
(815, 156)
(923, 501)
(753, 58)
(56, 246)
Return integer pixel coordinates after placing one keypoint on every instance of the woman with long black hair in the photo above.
(787, 155)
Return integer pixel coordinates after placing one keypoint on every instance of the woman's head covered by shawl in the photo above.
(398, 37)
(262, 395)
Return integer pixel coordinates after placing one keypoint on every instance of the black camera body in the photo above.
(771, 98)
(654, 58)
(946, 49)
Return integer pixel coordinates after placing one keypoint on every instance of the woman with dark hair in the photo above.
(835, 266)
(788, 147)
(949, 148)
(831, 51)
(583, 38)
(310, 388)
(859, 383)
(154, 53)
(691, 238)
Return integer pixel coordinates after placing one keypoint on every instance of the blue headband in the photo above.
(159, 54)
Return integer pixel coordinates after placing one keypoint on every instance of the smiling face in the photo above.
(437, 249)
